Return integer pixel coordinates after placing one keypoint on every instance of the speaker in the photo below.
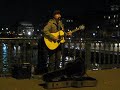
(21, 71)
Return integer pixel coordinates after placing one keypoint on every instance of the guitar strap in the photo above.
(58, 26)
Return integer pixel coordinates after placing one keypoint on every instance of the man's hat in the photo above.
(56, 12)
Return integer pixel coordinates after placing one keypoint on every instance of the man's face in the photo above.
(57, 16)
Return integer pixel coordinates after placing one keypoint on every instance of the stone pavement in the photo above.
(107, 80)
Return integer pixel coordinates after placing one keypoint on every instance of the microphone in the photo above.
(59, 18)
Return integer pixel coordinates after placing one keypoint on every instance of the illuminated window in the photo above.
(6, 28)
(98, 26)
(114, 16)
(116, 25)
(108, 17)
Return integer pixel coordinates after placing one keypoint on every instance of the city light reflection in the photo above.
(4, 56)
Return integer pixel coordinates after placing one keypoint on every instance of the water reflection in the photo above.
(97, 46)
(5, 57)
(15, 54)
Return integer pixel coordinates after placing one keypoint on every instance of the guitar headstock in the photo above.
(81, 27)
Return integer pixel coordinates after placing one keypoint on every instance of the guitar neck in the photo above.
(81, 27)
(74, 30)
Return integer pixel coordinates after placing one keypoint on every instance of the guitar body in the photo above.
(52, 44)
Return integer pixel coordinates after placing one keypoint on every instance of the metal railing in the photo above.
(97, 54)
(15, 51)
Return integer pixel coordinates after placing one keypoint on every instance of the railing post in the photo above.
(88, 54)
(118, 57)
(9, 57)
(1, 63)
(24, 52)
(42, 57)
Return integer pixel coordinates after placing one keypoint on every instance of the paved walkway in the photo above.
(107, 80)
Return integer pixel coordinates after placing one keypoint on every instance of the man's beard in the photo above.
(59, 18)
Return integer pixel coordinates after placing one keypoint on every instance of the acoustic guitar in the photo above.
(51, 44)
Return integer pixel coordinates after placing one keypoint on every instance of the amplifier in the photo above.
(22, 71)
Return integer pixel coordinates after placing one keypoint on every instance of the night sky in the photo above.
(12, 11)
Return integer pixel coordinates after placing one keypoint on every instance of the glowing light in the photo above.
(108, 17)
(4, 47)
(116, 25)
(29, 33)
(93, 34)
(114, 16)
(6, 28)
(98, 26)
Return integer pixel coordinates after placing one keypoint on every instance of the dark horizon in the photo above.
(36, 11)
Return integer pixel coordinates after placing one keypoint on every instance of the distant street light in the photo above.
(116, 25)
(29, 33)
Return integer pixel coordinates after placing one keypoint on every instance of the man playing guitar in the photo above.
(53, 36)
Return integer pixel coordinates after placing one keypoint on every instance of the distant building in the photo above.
(5, 31)
(25, 29)
(112, 19)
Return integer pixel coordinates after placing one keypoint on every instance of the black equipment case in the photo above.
(21, 71)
